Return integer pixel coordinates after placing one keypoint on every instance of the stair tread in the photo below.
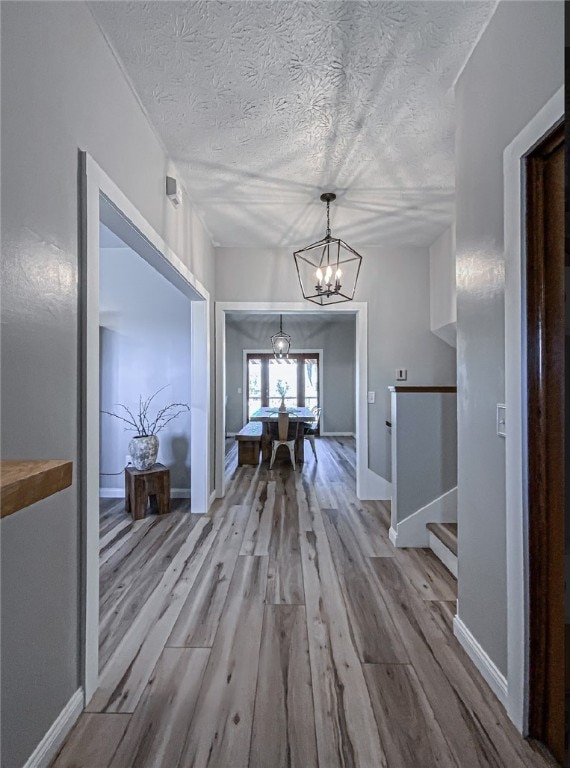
(446, 533)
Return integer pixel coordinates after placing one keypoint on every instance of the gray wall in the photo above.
(335, 336)
(424, 434)
(515, 68)
(395, 283)
(62, 91)
(145, 345)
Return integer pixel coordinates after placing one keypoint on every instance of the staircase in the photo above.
(443, 543)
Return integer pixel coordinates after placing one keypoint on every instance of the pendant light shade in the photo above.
(328, 269)
(281, 342)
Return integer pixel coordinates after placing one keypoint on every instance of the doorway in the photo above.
(544, 168)
(522, 702)
(102, 201)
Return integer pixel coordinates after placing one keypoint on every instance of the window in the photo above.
(300, 372)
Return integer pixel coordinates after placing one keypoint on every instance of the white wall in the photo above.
(395, 283)
(442, 287)
(515, 68)
(62, 90)
(145, 345)
(334, 335)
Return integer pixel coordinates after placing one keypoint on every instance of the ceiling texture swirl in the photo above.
(264, 105)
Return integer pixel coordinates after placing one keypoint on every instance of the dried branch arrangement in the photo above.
(144, 424)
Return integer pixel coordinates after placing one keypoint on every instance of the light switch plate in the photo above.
(372, 397)
(401, 374)
(501, 420)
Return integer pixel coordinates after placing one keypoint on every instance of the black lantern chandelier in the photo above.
(328, 269)
(281, 342)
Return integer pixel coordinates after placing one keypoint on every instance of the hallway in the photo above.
(285, 630)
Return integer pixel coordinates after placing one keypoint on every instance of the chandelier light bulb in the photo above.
(328, 275)
(320, 276)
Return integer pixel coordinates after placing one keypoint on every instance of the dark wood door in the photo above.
(546, 331)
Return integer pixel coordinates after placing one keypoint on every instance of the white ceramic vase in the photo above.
(144, 451)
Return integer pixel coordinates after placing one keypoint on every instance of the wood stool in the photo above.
(144, 484)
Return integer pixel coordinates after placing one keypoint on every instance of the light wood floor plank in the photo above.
(158, 729)
(285, 575)
(127, 673)
(375, 635)
(258, 532)
(408, 729)
(134, 588)
(346, 730)
(284, 727)
(198, 620)
(220, 732)
(92, 742)
(427, 575)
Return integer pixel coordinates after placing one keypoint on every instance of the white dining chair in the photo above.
(311, 430)
(286, 435)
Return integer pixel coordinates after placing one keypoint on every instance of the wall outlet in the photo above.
(372, 397)
(239, 390)
(401, 374)
(128, 461)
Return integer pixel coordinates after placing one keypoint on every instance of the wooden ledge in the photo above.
(24, 482)
(423, 389)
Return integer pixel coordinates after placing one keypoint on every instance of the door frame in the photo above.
(369, 485)
(95, 184)
(295, 351)
(516, 453)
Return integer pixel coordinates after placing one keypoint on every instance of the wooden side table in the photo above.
(142, 485)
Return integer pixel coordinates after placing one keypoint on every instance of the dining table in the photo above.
(270, 415)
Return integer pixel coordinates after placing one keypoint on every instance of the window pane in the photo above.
(254, 381)
(311, 382)
(283, 373)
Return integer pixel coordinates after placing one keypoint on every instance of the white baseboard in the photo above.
(337, 434)
(443, 553)
(231, 434)
(412, 531)
(393, 536)
(488, 669)
(119, 493)
(51, 743)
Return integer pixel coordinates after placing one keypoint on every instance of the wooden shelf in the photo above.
(24, 482)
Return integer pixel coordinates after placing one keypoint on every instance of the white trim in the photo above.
(369, 485)
(119, 493)
(52, 742)
(441, 551)
(488, 669)
(337, 434)
(516, 405)
(412, 531)
(212, 499)
(393, 536)
(94, 182)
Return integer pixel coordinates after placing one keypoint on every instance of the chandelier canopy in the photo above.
(328, 269)
(281, 342)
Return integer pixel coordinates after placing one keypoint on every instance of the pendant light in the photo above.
(281, 342)
(328, 269)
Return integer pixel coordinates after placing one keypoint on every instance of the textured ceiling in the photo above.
(263, 105)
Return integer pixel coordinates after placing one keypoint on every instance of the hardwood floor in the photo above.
(283, 631)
